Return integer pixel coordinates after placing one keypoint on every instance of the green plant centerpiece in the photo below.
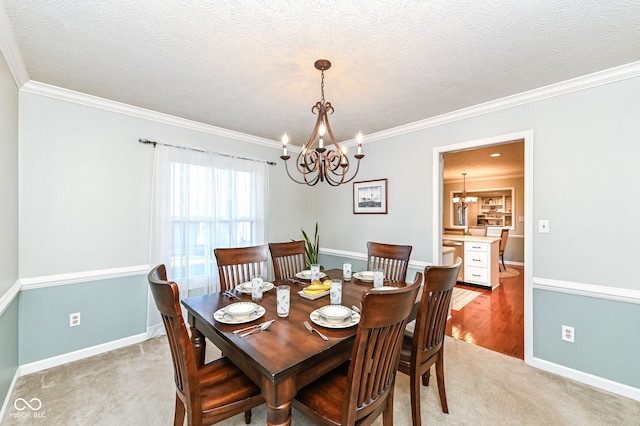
(312, 248)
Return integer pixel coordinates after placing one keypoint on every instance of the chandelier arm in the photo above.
(355, 173)
(305, 182)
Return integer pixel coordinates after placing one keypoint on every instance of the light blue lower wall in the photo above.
(110, 309)
(606, 335)
(8, 347)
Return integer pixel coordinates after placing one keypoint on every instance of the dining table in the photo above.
(286, 356)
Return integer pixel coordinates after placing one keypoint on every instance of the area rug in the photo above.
(510, 272)
(461, 297)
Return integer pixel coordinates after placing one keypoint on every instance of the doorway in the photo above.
(524, 216)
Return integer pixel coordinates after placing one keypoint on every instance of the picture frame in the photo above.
(370, 197)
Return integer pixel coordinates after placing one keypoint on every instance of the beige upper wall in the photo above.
(8, 178)
(585, 151)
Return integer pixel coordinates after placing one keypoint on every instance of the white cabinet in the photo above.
(481, 262)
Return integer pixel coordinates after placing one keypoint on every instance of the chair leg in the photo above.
(178, 418)
(425, 377)
(387, 414)
(414, 384)
(504, 268)
(247, 417)
(440, 379)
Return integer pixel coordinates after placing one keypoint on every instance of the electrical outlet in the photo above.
(568, 334)
(74, 319)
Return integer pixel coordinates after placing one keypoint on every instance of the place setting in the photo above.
(306, 275)
(335, 316)
(247, 287)
(239, 313)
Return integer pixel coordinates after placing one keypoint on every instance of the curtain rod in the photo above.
(154, 143)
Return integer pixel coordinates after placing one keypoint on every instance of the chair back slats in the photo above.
(166, 296)
(288, 258)
(394, 259)
(432, 315)
(375, 355)
(504, 236)
(237, 265)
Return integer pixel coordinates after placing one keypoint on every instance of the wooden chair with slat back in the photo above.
(454, 231)
(237, 265)
(426, 346)
(209, 393)
(394, 259)
(361, 389)
(504, 236)
(288, 258)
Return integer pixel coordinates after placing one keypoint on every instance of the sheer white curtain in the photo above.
(201, 201)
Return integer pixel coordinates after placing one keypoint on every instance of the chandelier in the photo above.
(464, 201)
(325, 161)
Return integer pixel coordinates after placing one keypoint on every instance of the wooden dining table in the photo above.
(286, 356)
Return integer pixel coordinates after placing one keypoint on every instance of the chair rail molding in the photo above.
(32, 283)
(8, 297)
(413, 264)
(618, 294)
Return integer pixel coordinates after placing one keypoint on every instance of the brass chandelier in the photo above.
(464, 201)
(326, 161)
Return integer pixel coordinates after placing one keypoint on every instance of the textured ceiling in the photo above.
(247, 65)
(477, 163)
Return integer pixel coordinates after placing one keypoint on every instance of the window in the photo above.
(202, 201)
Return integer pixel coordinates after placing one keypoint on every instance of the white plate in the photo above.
(221, 316)
(317, 319)
(306, 275)
(385, 287)
(364, 275)
(310, 297)
(246, 287)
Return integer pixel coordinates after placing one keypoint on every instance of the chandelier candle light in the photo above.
(321, 163)
(464, 200)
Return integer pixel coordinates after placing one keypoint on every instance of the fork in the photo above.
(311, 329)
(230, 295)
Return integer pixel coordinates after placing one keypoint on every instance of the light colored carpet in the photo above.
(510, 272)
(461, 297)
(134, 386)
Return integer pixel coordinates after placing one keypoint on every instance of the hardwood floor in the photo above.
(494, 319)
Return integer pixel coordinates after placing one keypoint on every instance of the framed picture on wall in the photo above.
(370, 197)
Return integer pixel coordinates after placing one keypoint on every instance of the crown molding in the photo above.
(622, 72)
(9, 48)
(588, 81)
(80, 98)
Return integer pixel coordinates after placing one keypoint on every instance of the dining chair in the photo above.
(358, 391)
(454, 231)
(288, 258)
(425, 346)
(394, 259)
(236, 265)
(207, 394)
(504, 236)
(478, 231)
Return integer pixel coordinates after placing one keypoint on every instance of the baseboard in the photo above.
(588, 379)
(55, 361)
(9, 393)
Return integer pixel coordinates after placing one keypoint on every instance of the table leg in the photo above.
(280, 415)
(199, 345)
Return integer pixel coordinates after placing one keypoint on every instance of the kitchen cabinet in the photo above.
(480, 262)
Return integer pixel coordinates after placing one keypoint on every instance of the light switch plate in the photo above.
(543, 226)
